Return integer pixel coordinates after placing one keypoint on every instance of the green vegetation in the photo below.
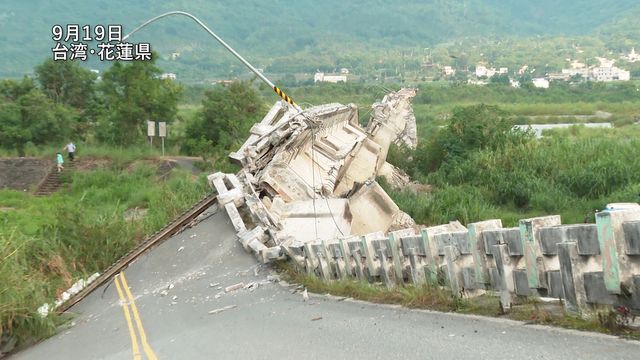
(47, 243)
(570, 172)
(226, 115)
(67, 103)
(131, 95)
(27, 115)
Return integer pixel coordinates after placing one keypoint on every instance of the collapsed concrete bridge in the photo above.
(198, 269)
(307, 191)
(311, 176)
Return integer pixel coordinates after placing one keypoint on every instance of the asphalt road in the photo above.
(183, 312)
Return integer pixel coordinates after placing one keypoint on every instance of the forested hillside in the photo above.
(309, 32)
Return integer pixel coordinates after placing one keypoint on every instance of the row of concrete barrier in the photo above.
(586, 265)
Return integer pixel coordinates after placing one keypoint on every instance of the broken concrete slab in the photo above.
(310, 175)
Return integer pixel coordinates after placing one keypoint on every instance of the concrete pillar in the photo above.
(311, 259)
(451, 254)
(505, 281)
(234, 215)
(355, 248)
(297, 254)
(368, 255)
(617, 266)
(346, 253)
(393, 244)
(416, 271)
(338, 260)
(478, 250)
(529, 229)
(323, 264)
(323, 249)
(386, 274)
(571, 273)
(431, 268)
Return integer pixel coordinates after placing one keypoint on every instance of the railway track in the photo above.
(157, 238)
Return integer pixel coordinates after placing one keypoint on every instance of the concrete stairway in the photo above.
(52, 182)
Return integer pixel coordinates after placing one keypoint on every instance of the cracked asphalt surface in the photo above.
(185, 313)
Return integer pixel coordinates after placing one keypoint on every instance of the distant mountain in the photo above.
(298, 31)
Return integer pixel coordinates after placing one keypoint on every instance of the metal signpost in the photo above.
(151, 131)
(162, 132)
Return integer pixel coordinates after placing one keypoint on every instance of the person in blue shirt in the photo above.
(59, 161)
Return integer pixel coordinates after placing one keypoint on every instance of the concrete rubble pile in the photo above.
(311, 176)
(332, 219)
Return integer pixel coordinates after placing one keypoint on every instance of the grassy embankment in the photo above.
(47, 243)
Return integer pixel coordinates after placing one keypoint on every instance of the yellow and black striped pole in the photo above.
(280, 93)
(285, 97)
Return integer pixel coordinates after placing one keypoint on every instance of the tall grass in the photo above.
(570, 172)
(46, 244)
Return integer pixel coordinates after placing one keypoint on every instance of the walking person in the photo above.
(59, 162)
(71, 149)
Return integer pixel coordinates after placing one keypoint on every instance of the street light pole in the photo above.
(276, 89)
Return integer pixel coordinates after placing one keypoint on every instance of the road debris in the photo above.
(234, 287)
(44, 309)
(317, 318)
(217, 311)
(180, 248)
(305, 295)
(252, 286)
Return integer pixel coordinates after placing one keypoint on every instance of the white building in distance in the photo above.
(482, 70)
(632, 56)
(540, 83)
(330, 78)
(448, 70)
(610, 73)
(170, 76)
(606, 71)
(604, 62)
(523, 69)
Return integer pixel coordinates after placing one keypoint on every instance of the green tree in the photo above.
(500, 79)
(132, 94)
(11, 90)
(66, 82)
(225, 119)
(30, 117)
(470, 129)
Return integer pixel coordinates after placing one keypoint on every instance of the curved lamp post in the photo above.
(276, 89)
